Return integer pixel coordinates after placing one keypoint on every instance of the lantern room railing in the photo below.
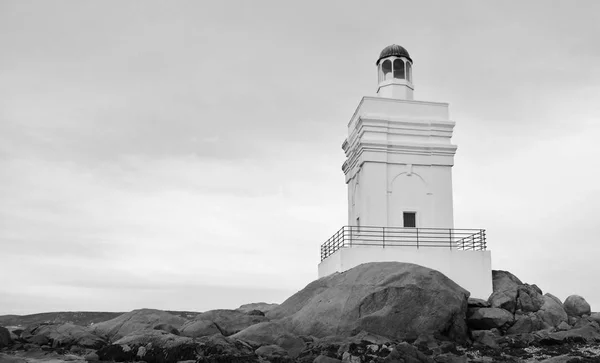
(456, 239)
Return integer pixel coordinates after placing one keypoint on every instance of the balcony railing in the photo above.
(456, 239)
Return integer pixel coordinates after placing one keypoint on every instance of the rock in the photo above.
(91, 357)
(231, 321)
(326, 359)
(347, 357)
(586, 334)
(5, 339)
(218, 348)
(552, 311)
(292, 344)
(504, 280)
(272, 333)
(142, 319)
(522, 324)
(506, 299)
(485, 338)
(255, 312)
(489, 318)
(576, 305)
(595, 317)
(261, 306)
(392, 299)
(271, 351)
(505, 290)
(406, 353)
(529, 298)
(563, 326)
(62, 335)
(527, 323)
(168, 328)
(262, 333)
(199, 328)
(477, 303)
(150, 346)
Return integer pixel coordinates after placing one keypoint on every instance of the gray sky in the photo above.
(187, 155)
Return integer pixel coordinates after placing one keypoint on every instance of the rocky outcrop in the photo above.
(199, 328)
(388, 298)
(380, 312)
(576, 305)
(272, 333)
(150, 346)
(142, 319)
(62, 335)
(231, 321)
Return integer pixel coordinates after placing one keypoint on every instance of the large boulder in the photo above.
(231, 321)
(392, 299)
(552, 311)
(489, 318)
(150, 346)
(505, 290)
(5, 338)
(62, 335)
(135, 320)
(576, 305)
(199, 328)
(529, 298)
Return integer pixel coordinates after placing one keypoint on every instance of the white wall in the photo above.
(470, 269)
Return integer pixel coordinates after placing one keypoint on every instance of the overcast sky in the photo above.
(186, 155)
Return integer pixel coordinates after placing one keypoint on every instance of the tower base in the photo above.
(472, 270)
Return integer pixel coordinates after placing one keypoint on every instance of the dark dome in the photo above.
(393, 50)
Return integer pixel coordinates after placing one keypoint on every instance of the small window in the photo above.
(387, 68)
(399, 69)
(408, 72)
(410, 219)
(358, 221)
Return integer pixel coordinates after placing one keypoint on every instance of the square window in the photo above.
(410, 219)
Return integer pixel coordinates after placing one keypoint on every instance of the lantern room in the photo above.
(394, 68)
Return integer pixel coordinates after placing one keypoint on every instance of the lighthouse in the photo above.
(398, 171)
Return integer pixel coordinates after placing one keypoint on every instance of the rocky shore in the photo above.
(377, 312)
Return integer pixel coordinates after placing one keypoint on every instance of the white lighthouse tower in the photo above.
(399, 175)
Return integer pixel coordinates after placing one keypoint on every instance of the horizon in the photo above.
(187, 156)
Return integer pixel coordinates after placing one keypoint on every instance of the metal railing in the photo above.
(459, 239)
